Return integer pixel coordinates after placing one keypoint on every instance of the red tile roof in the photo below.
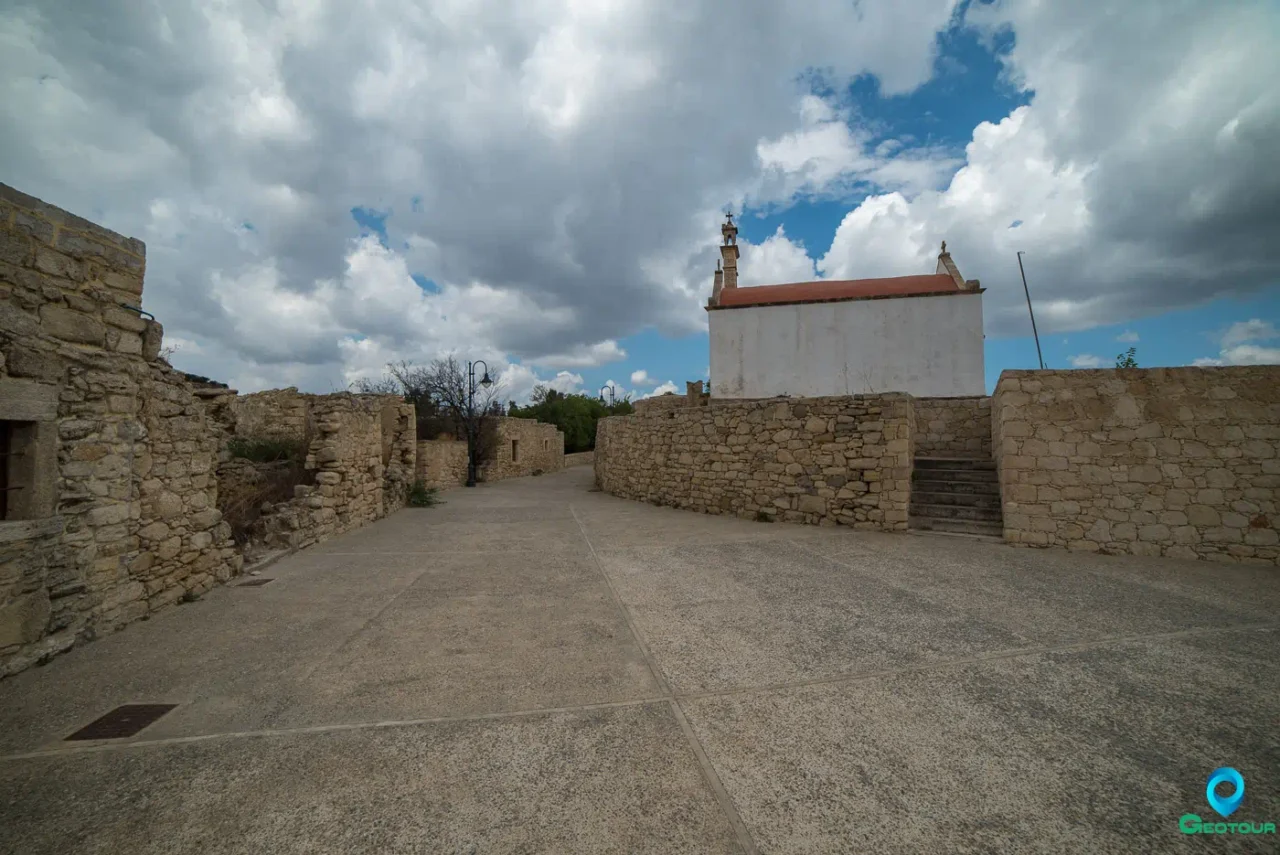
(840, 289)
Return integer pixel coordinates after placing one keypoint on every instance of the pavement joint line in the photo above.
(432, 552)
(730, 810)
(626, 612)
(709, 774)
(996, 656)
(101, 747)
(657, 699)
(346, 642)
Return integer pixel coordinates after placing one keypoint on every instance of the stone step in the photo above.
(985, 475)
(988, 529)
(956, 512)
(936, 485)
(963, 535)
(989, 499)
(963, 464)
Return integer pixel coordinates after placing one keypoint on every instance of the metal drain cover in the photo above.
(121, 722)
(252, 583)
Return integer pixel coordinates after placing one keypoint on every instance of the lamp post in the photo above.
(612, 399)
(485, 381)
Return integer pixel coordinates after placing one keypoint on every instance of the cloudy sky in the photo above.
(328, 185)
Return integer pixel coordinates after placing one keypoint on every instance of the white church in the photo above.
(916, 334)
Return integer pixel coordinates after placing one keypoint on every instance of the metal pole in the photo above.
(1026, 291)
(471, 405)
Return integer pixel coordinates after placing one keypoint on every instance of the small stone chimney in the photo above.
(718, 285)
(729, 251)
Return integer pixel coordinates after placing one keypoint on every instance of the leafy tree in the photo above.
(575, 415)
(1128, 359)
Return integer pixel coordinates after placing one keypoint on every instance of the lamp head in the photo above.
(486, 380)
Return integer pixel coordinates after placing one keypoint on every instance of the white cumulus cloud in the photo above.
(1086, 360)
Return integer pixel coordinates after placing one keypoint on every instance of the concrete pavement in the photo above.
(533, 667)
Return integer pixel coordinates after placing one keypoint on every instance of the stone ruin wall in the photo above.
(1182, 462)
(540, 448)
(356, 481)
(442, 463)
(844, 459)
(953, 427)
(119, 453)
(114, 519)
(276, 413)
(581, 458)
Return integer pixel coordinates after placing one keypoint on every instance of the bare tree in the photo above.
(385, 385)
(445, 403)
(446, 382)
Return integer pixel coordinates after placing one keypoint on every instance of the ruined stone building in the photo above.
(127, 486)
(114, 466)
(916, 334)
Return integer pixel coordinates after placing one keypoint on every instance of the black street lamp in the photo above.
(485, 381)
(612, 399)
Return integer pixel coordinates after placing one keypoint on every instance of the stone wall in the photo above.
(525, 446)
(953, 427)
(582, 458)
(347, 455)
(442, 463)
(539, 448)
(115, 454)
(1183, 462)
(399, 435)
(660, 403)
(282, 413)
(184, 544)
(113, 516)
(829, 460)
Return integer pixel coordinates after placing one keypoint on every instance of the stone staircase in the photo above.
(956, 495)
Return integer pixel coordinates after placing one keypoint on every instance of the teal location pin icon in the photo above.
(1225, 805)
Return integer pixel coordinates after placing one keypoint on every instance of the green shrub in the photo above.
(268, 449)
(422, 496)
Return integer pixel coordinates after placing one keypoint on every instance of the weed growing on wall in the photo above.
(422, 496)
(268, 449)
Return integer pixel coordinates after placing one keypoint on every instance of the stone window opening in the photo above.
(546, 445)
(17, 470)
(515, 450)
(28, 452)
(6, 454)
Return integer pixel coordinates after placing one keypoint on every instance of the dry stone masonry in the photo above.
(843, 460)
(351, 463)
(953, 427)
(1183, 462)
(524, 447)
(112, 459)
(442, 463)
(109, 512)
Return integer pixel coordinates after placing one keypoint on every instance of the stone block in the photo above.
(810, 504)
(24, 619)
(65, 324)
